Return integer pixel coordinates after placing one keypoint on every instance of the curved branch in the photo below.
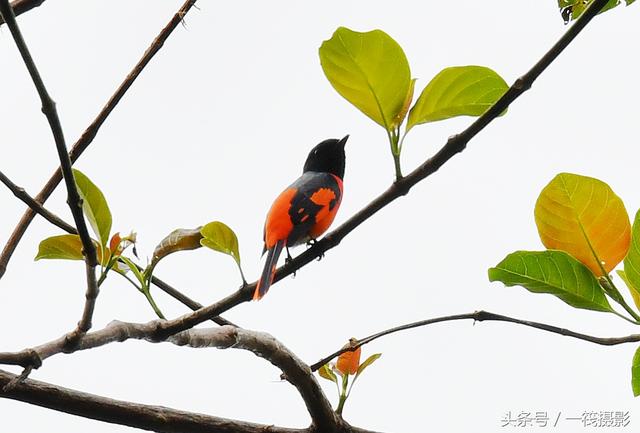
(92, 130)
(261, 344)
(480, 316)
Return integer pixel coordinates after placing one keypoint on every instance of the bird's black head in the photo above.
(327, 157)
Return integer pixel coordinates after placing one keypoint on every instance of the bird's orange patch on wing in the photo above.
(278, 224)
(325, 216)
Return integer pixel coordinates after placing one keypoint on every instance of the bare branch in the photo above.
(73, 197)
(480, 316)
(35, 206)
(90, 133)
(147, 417)
(21, 6)
(261, 344)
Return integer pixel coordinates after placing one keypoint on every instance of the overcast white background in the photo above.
(223, 118)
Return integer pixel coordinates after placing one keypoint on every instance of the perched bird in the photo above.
(306, 209)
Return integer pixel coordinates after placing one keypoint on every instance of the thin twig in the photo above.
(73, 197)
(90, 133)
(20, 193)
(21, 6)
(479, 316)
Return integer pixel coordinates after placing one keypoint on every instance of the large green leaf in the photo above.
(635, 373)
(369, 70)
(94, 206)
(219, 237)
(584, 217)
(66, 247)
(553, 272)
(457, 91)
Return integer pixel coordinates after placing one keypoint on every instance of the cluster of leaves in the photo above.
(348, 364)
(371, 71)
(214, 235)
(572, 9)
(585, 227)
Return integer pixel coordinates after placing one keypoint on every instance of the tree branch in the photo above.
(21, 6)
(73, 197)
(261, 344)
(35, 206)
(480, 316)
(90, 133)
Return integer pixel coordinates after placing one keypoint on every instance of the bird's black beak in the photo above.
(344, 140)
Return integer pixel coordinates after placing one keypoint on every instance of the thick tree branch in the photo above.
(35, 206)
(156, 418)
(21, 6)
(90, 133)
(261, 344)
(146, 417)
(73, 197)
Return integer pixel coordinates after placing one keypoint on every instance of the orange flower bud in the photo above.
(349, 362)
(115, 243)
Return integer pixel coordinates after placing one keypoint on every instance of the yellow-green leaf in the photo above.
(367, 362)
(66, 247)
(325, 372)
(635, 294)
(369, 70)
(553, 272)
(219, 237)
(94, 206)
(635, 373)
(572, 9)
(584, 217)
(632, 262)
(457, 91)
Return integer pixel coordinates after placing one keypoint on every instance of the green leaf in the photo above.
(370, 360)
(177, 240)
(457, 91)
(369, 70)
(326, 373)
(635, 373)
(632, 262)
(219, 237)
(554, 272)
(635, 294)
(94, 206)
(66, 247)
(572, 9)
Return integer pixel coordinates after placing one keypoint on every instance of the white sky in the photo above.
(221, 121)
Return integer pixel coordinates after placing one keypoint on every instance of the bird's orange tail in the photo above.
(269, 270)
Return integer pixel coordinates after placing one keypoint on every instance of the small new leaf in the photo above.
(457, 91)
(572, 9)
(367, 362)
(219, 237)
(635, 373)
(369, 70)
(94, 206)
(66, 247)
(553, 272)
(326, 373)
(177, 240)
